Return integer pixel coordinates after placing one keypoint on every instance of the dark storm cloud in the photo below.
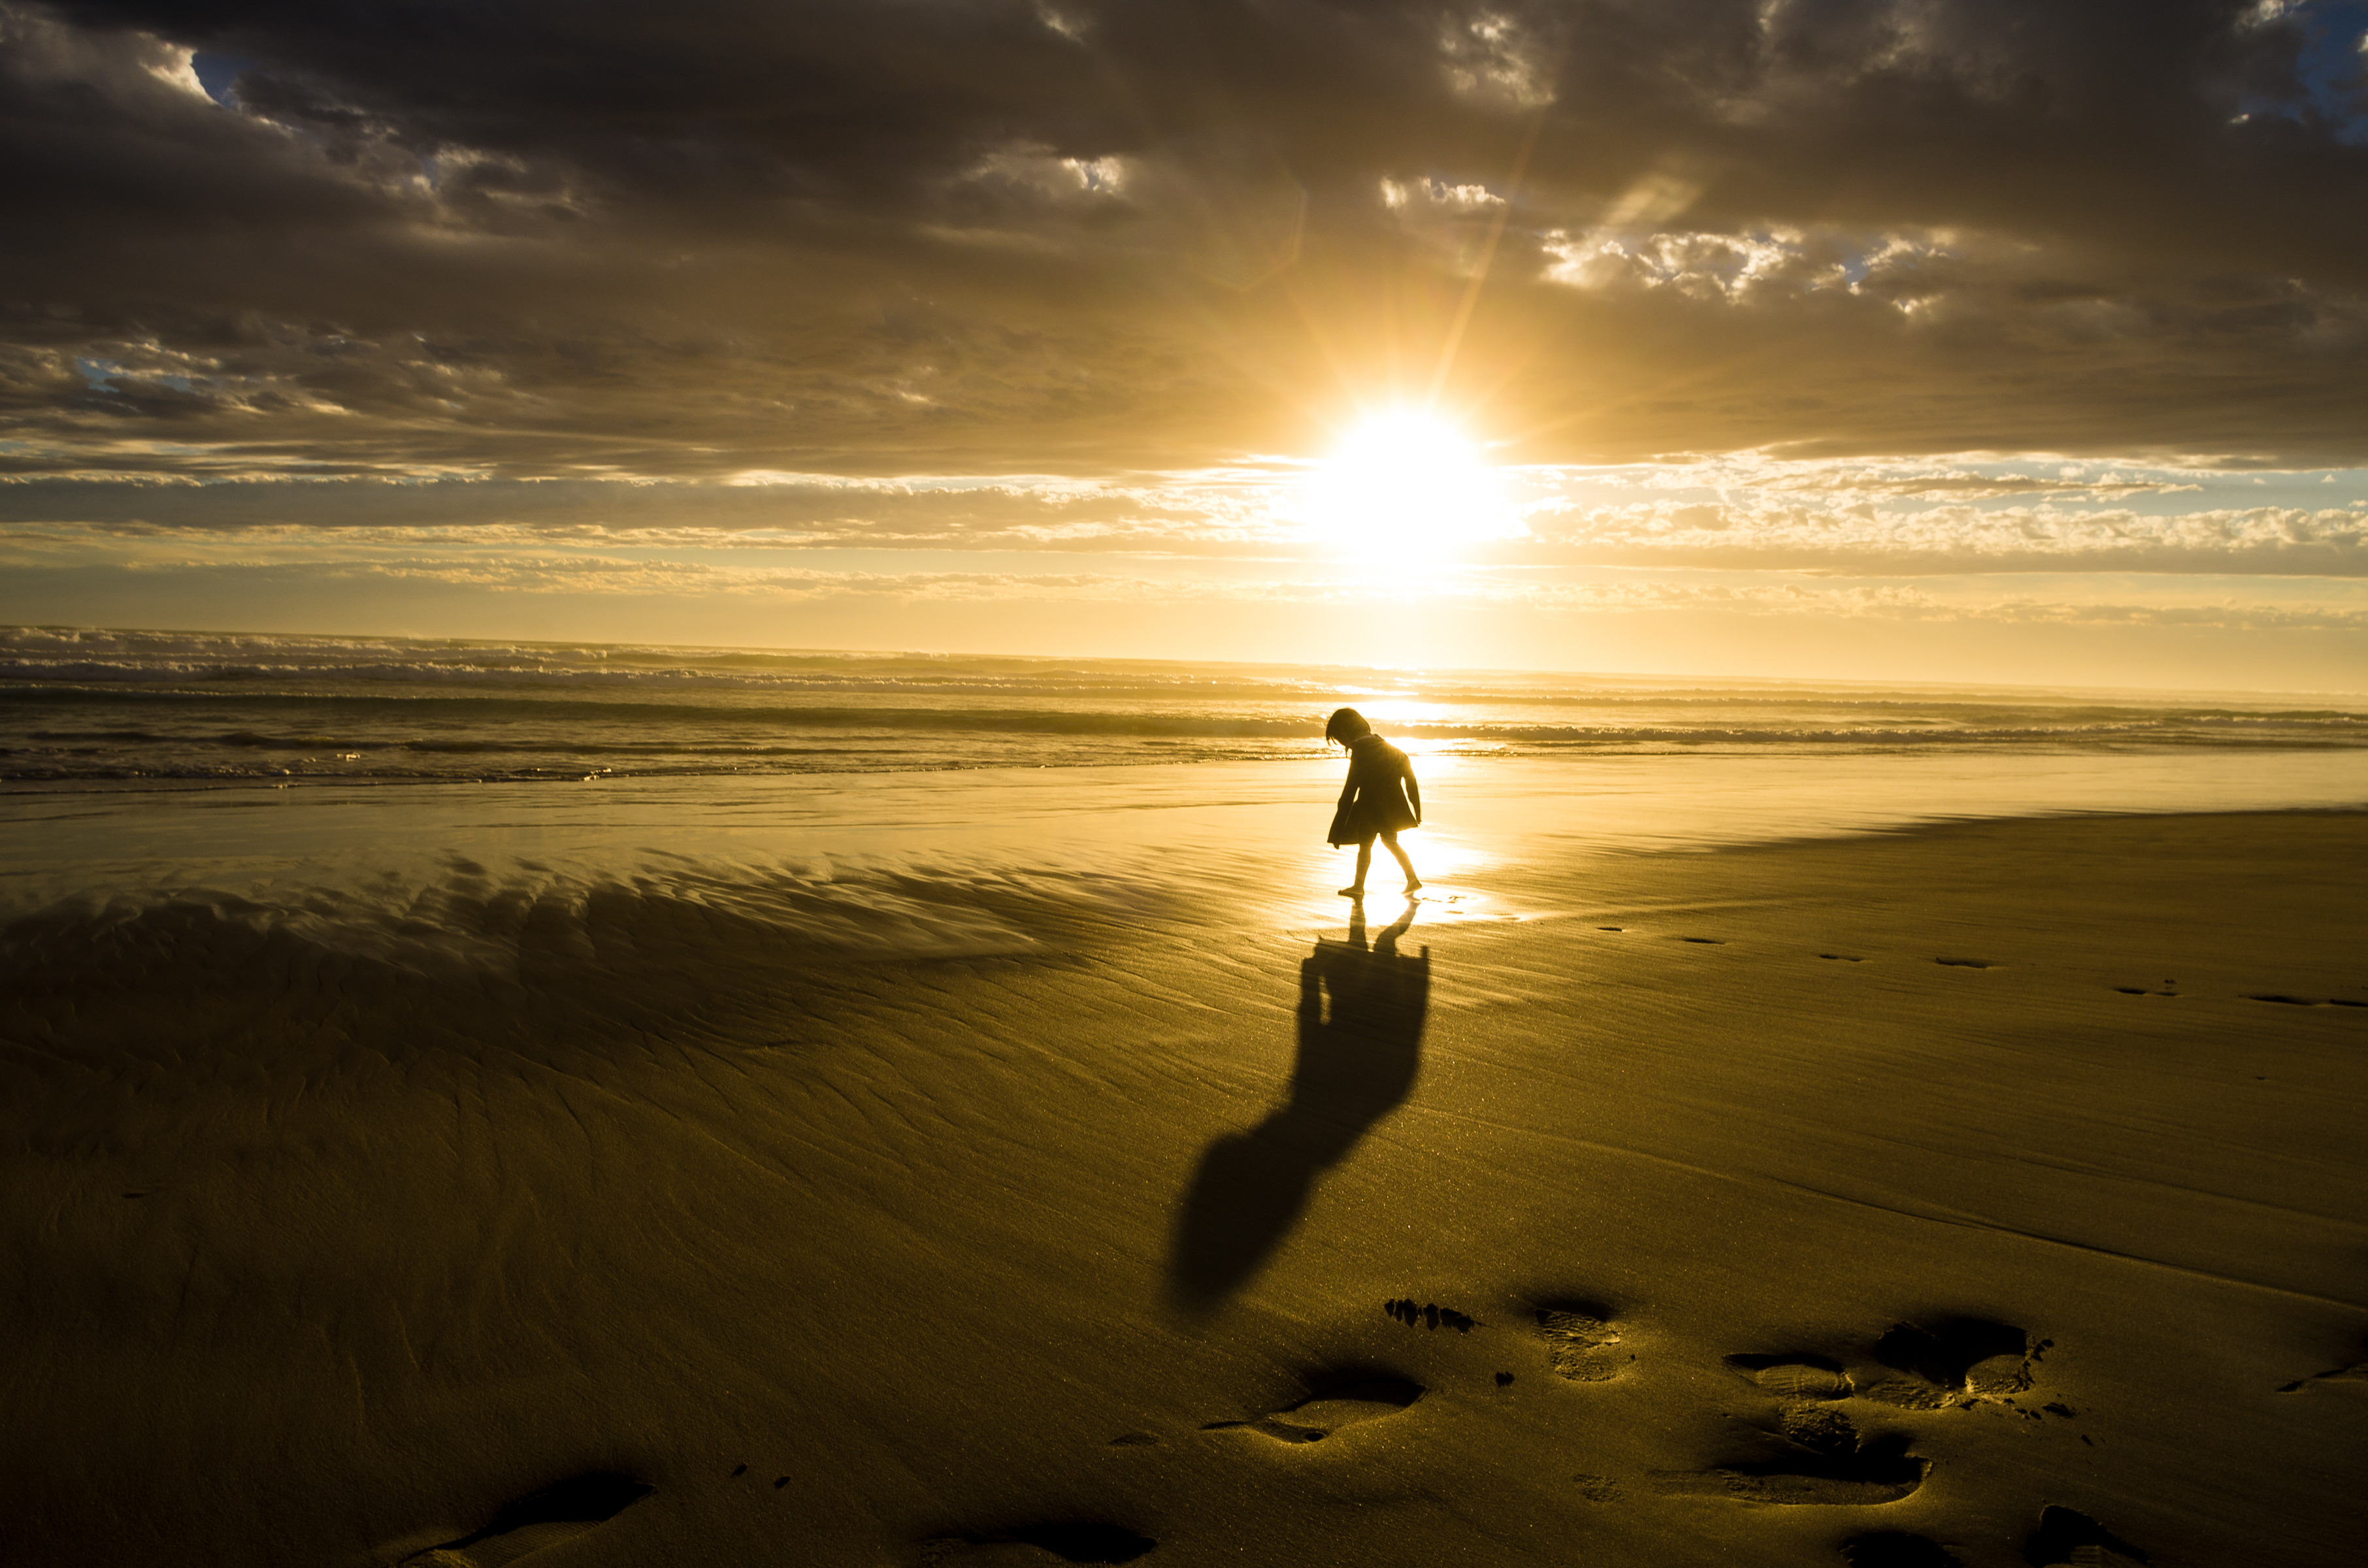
(585, 239)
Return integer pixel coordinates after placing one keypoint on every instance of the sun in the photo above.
(1406, 486)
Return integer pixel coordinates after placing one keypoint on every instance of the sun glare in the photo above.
(1406, 486)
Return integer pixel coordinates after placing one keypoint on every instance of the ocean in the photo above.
(442, 809)
(102, 709)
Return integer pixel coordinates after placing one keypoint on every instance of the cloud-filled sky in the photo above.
(2025, 338)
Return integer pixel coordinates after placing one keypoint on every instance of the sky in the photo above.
(1991, 340)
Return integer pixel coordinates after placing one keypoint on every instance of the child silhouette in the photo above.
(1380, 799)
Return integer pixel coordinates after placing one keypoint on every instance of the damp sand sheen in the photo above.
(809, 1175)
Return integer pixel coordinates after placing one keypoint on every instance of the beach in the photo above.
(676, 683)
(1884, 1158)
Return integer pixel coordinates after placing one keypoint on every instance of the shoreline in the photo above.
(1574, 758)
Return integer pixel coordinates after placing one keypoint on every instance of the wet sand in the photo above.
(1989, 1189)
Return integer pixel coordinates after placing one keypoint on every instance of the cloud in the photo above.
(1864, 538)
(1764, 597)
(991, 236)
(1836, 518)
(772, 512)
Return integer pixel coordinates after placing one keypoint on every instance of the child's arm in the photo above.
(1414, 793)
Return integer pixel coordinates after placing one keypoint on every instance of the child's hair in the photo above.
(1346, 725)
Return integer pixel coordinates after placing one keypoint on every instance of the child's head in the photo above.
(1347, 726)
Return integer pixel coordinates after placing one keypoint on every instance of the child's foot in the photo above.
(1413, 884)
(1352, 893)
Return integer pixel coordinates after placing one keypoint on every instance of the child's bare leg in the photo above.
(1364, 858)
(1390, 840)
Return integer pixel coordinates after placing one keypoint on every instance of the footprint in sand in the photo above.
(1967, 963)
(544, 1518)
(1953, 1361)
(1705, 941)
(1794, 1377)
(2355, 1373)
(1819, 1459)
(1842, 957)
(1896, 1549)
(1429, 1314)
(1325, 1412)
(1814, 1453)
(1065, 1540)
(2066, 1536)
(1582, 1343)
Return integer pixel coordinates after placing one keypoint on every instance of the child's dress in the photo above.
(1374, 802)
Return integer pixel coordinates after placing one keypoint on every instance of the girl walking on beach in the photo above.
(1373, 803)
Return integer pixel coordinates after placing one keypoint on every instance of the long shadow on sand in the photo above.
(1362, 1010)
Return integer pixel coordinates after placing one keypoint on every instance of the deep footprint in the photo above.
(1065, 1540)
(1826, 1466)
(2069, 1536)
(543, 1518)
(1896, 1549)
(1794, 1376)
(1326, 1410)
(2356, 1374)
(1946, 1362)
(1967, 963)
(1582, 1343)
